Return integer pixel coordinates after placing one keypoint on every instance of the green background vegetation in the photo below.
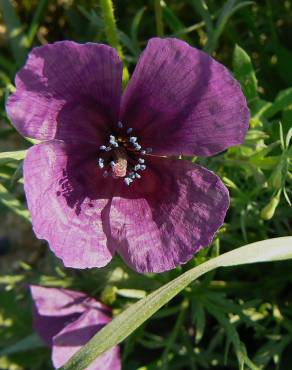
(228, 319)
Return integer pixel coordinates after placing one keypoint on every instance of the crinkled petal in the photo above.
(168, 215)
(68, 198)
(48, 326)
(63, 302)
(181, 101)
(67, 90)
(78, 333)
(54, 308)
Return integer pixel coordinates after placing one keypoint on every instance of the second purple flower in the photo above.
(101, 182)
(66, 320)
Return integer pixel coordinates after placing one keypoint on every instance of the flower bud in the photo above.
(276, 177)
(268, 211)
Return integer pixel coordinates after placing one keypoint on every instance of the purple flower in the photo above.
(66, 320)
(101, 182)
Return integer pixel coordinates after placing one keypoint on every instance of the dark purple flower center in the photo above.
(123, 156)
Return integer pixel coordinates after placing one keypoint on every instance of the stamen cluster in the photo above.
(122, 156)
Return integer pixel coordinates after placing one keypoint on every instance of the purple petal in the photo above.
(181, 101)
(78, 333)
(168, 215)
(68, 198)
(59, 84)
(63, 302)
(48, 326)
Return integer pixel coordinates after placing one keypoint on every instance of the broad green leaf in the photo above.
(244, 73)
(13, 203)
(6, 157)
(130, 319)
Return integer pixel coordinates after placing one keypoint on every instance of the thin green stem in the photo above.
(107, 9)
(158, 18)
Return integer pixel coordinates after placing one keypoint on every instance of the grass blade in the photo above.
(130, 319)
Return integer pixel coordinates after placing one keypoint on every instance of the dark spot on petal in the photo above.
(90, 205)
(177, 55)
(213, 108)
(58, 193)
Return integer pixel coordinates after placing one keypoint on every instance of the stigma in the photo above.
(122, 156)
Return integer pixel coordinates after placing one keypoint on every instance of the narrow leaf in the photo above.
(201, 7)
(35, 23)
(130, 319)
(228, 10)
(9, 200)
(26, 344)
(283, 100)
(135, 27)
(17, 38)
(244, 72)
(6, 157)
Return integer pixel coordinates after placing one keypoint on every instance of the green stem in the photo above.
(111, 32)
(158, 18)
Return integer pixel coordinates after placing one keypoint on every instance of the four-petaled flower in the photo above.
(66, 320)
(105, 179)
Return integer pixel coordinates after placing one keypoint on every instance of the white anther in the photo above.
(102, 147)
(113, 141)
(141, 160)
(133, 139)
(100, 162)
(127, 180)
(142, 167)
